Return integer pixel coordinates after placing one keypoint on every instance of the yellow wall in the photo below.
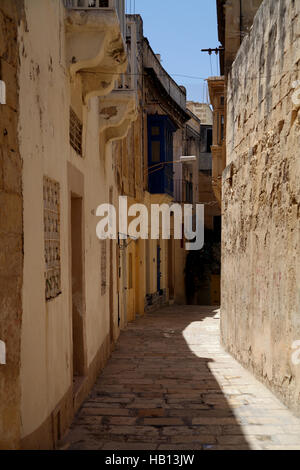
(46, 356)
(46, 93)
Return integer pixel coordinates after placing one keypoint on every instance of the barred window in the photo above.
(52, 238)
(75, 132)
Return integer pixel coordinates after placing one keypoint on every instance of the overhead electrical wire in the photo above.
(190, 76)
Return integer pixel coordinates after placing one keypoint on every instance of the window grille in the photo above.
(75, 132)
(52, 238)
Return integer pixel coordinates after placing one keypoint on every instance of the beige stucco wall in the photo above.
(45, 97)
(129, 177)
(261, 202)
(43, 353)
(44, 146)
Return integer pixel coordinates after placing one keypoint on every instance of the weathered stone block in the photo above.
(8, 129)
(11, 255)
(11, 213)
(12, 168)
(9, 75)
(8, 33)
(10, 305)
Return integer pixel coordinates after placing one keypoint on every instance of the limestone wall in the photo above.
(261, 202)
(11, 228)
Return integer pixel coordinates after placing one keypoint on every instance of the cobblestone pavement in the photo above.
(170, 386)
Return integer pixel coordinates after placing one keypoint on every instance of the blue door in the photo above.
(160, 154)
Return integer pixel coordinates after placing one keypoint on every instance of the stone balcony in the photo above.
(95, 46)
(119, 109)
(152, 63)
(117, 5)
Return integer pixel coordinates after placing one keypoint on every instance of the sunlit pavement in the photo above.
(169, 385)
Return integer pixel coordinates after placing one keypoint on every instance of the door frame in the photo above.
(76, 188)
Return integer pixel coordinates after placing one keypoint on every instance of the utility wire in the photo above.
(189, 76)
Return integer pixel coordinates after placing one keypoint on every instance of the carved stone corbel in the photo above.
(117, 112)
(95, 49)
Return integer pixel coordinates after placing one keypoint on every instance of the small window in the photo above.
(75, 132)
(155, 130)
(222, 100)
(155, 157)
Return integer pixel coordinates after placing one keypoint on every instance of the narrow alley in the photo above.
(170, 385)
(149, 226)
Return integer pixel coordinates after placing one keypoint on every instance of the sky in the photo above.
(178, 30)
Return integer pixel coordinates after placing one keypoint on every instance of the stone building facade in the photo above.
(59, 314)
(202, 111)
(235, 18)
(68, 324)
(74, 135)
(260, 315)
